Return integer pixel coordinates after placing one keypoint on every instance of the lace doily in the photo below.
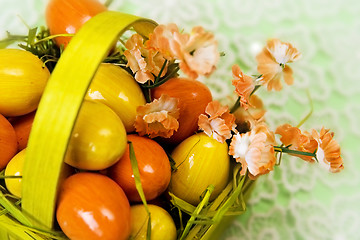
(297, 200)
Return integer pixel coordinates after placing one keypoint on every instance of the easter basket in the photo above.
(44, 170)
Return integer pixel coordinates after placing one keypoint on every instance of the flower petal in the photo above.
(218, 122)
(254, 150)
(244, 85)
(158, 118)
(328, 151)
(272, 63)
(144, 62)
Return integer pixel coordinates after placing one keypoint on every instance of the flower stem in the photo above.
(161, 71)
(255, 89)
(108, 3)
(310, 112)
(147, 94)
(52, 37)
(287, 150)
(235, 106)
(3, 177)
(237, 103)
(161, 81)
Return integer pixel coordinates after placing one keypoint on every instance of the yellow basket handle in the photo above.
(60, 105)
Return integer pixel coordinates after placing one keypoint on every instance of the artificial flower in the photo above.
(272, 63)
(244, 85)
(197, 52)
(200, 54)
(292, 137)
(167, 40)
(144, 63)
(247, 119)
(218, 122)
(158, 118)
(328, 152)
(254, 150)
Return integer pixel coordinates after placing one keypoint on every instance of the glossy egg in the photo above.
(116, 88)
(15, 168)
(98, 139)
(200, 161)
(162, 224)
(154, 168)
(67, 16)
(22, 81)
(8, 143)
(193, 98)
(22, 126)
(92, 206)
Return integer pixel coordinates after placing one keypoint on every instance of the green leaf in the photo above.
(6, 42)
(162, 81)
(10, 39)
(32, 36)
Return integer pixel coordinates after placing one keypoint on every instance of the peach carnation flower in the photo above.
(328, 152)
(197, 52)
(272, 63)
(167, 40)
(247, 119)
(200, 54)
(158, 118)
(254, 150)
(218, 122)
(143, 62)
(244, 85)
(299, 142)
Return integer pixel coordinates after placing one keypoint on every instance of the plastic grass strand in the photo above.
(207, 217)
(222, 196)
(135, 169)
(60, 105)
(183, 205)
(197, 211)
(237, 207)
(13, 210)
(13, 225)
(194, 231)
(236, 170)
(223, 210)
(230, 201)
(14, 230)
